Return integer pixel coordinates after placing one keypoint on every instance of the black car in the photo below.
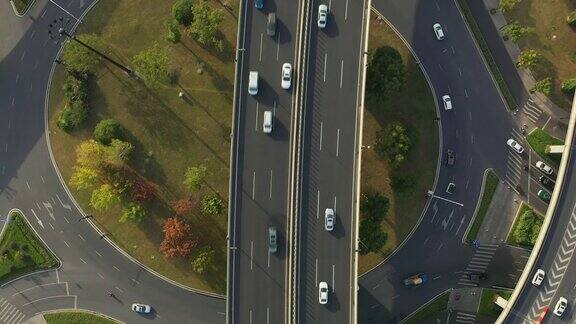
(477, 276)
(450, 158)
(544, 180)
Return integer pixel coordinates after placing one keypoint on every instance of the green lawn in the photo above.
(21, 251)
(553, 37)
(490, 184)
(487, 306)
(76, 318)
(539, 140)
(415, 108)
(22, 5)
(435, 308)
(169, 134)
(523, 208)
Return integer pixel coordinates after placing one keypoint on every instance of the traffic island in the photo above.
(526, 227)
(84, 317)
(21, 7)
(490, 185)
(540, 141)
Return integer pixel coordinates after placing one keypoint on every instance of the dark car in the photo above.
(477, 276)
(545, 181)
(271, 24)
(259, 4)
(450, 157)
(450, 188)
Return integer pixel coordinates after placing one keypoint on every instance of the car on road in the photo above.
(323, 293)
(438, 31)
(544, 195)
(267, 122)
(322, 15)
(450, 188)
(515, 146)
(544, 167)
(416, 280)
(447, 102)
(450, 157)
(272, 239)
(477, 276)
(560, 306)
(545, 181)
(271, 24)
(259, 4)
(141, 308)
(329, 219)
(538, 277)
(286, 75)
(253, 83)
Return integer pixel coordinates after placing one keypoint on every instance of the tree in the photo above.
(508, 5)
(528, 59)
(76, 110)
(514, 31)
(372, 238)
(90, 154)
(195, 176)
(107, 130)
(569, 86)
(84, 177)
(178, 241)
(204, 27)
(571, 19)
(543, 86)
(182, 12)
(386, 74)
(104, 197)
(143, 191)
(404, 184)
(134, 213)
(526, 232)
(152, 65)
(79, 58)
(118, 152)
(182, 206)
(393, 143)
(212, 205)
(203, 260)
(374, 206)
(174, 34)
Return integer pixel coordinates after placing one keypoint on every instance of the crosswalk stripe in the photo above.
(466, 315)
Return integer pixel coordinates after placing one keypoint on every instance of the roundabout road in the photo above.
(90, 266)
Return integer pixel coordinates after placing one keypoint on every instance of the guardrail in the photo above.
(548, 218)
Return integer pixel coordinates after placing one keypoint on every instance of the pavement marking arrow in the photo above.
(48, 207)
(567, 242)
(38, 219)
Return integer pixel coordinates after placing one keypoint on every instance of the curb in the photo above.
(79, 310)
(478, 202)
(426, 304)
(20, 15)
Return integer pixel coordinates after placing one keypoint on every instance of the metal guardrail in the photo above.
(548, 218)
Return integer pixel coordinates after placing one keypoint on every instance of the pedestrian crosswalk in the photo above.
(532, 111)
(478, 264)
(465, 318)
(9, 314)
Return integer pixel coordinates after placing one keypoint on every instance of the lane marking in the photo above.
(321, 126)
(346, 11)
(270, 183)
(318, 205)
(333, 275)
(448, 200)
(341, 72)
(120, 290)
(68, 245)
(100, 255)
(278, 47)
(316, 273)
(83, 261)
(82, 238)
(256, 121)
(334, 204)
(325, 59)
(338, 140)
(253, 184)
(116, 268)
(261, 37)
(251, 253)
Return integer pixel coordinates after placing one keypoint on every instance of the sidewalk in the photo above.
(500, 216)
(38, 319)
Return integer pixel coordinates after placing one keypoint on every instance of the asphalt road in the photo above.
(331, 110)
(477, 130)
(91, 266)
(260, 179)
(556, 259)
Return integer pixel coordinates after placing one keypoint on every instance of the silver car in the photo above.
(329, 219)
(141, 308)
(322, 15)
(286, 75)
(438, 31)
(323, 293)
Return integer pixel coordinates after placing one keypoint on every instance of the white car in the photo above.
(560, 306)
(322, 15)
(286, 75)
(538, 277)
(438, 31)
(329, 219)
(141, 308)
(515, 146)
(447, 102)
(544, 167)
(323, 293)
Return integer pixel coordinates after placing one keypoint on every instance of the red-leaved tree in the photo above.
(178, 241)
(182, 206)
(143, 191)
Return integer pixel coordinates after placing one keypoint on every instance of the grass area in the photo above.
(523, 208)
(510, 101)
(490, 184)
(435, 308)
(22, 5)
(76, 318)
(553, 38)
(169, 134)
(539, 140)
(415, 108)
(21, 251)
(487, 306)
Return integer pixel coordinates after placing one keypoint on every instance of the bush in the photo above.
(404, 185)
(194, 177)
(515, 31)
(204, 27)
(372, 238)
(212, 205)
(178, 240)
(203, 260)
(134, 213)
(15, 246)
(386, 74)
(19, 256)
(374, 206)
(182, 12)
(182, 206)
(529, 59)
(76, 57)
(569, 86)
(107, 130)
(143, 191)
(543, 86)
(528, 228)
(174, 34)
(393, 143)
(571, 19)
(75, 111)
(508, 5)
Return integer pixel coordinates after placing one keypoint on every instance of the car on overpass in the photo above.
(560, 306)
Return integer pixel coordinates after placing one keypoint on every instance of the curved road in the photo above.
(28, 181)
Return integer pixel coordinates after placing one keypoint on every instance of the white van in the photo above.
(267, 123)
(253, 83)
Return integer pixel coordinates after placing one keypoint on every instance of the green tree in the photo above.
(528, 228)
(203, 260)
(134, 213)
(78, 57)
(104, 197)
(90, 154)
(374, 206)
(508, 5)
(543, 86)
(84, 177)
(529, 59)
(118, 152)
(571, 19)
(195, 176)
(393, 143)
(372, 238)
(386, 74)
(569, 86)
(107, 130)
(515, 31)
(152, 65)
(174, 34)
(206, 23)
(404, 184)
(212, 205)
(182, 12)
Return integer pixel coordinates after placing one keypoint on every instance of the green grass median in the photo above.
(539, 140)
(490, 184)
(435, 308)
(76, 318)
(487, 305)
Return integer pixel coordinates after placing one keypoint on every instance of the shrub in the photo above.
(203, 260)
(15, 246)
(372, 238)
(178, 241)
(19, 256)
(508, 5)
(374, 206)
(182, 206)
(386, 74)
(152, 65)
(528, 228)
(84, 177)
(182, 12)
(514, 31)
(212, 205)
(543, 86)
(404, 185)
(195, 176)
(569, 86)
(118, 153)
(79, 58)
(529, 59)
(204, 27)
(143, 191)
(174, 34)
(393, 143)
(107, 130)
(104, 197)
(134, 213)
(571, 19)
(75, 111)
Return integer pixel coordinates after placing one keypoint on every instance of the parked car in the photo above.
(544, 195)
(447, 102)
(450, 188)
(141, 308)
(450, 157)
(322, 15)
(438, 31)
(323, 293)
(538, 277)
(515, 146)
(416, 280)
(329, 219)
(286, 75)
(560, 306)
(545, 181)
(544, 167)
